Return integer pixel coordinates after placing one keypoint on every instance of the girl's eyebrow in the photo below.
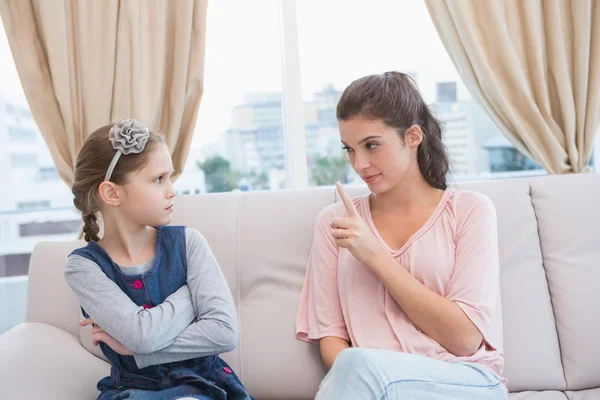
(170, 172)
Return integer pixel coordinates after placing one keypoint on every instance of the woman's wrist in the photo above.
(380, 262)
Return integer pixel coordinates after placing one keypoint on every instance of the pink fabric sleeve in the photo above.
(320, 311)
(475, 283)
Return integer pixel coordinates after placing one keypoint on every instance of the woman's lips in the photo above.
(371, 178)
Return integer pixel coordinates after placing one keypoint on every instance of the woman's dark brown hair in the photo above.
(393, 97)
(92, 163)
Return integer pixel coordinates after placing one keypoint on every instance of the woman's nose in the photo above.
(361, 162)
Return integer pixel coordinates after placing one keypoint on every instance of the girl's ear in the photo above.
(109, 194)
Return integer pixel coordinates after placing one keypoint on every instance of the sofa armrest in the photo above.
(62, 367)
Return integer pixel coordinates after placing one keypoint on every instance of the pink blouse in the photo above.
(455, 254)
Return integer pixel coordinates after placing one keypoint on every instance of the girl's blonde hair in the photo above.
(92, 163)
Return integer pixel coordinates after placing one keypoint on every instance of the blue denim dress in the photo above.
(200, 378)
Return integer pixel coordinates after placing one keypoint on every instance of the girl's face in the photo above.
(378, 154)
(148, 195)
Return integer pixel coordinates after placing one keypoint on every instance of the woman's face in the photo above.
(378, 154)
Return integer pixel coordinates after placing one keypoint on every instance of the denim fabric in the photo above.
(366, 374)
(202, 378)
(207, 378)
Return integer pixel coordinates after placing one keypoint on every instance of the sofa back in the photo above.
(550, 277)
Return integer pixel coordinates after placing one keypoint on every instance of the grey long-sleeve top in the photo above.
(197, 320)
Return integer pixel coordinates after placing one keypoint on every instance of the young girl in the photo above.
(402, 285)
(160, 307)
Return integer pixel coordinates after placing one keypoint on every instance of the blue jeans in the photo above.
(367, 374)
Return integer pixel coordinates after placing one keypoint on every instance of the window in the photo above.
(33, 204)
(38, 204)
(16, 111)
(20, 160)
(17, 134)
(342, 41)
(49, 228)
(48, 173)
(14, 265)
(239, 139)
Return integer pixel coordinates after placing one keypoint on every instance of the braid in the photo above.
(432, 155)
(91, 227)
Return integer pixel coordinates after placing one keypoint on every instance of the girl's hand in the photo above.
(100, 335)
(86, 322)
(354, 234)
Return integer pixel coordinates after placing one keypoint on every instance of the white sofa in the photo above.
(550, 260)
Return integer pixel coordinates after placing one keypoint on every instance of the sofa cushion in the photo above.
(544, 395)
(568, 220)
(590, 394)
(532, 353)
(275, 238)
(40, 361)
(216, 216)
(49, 298)
(262, 243)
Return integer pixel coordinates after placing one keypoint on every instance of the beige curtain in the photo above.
(534, 65)
(84, 64)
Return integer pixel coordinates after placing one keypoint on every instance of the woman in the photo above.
(402, 288)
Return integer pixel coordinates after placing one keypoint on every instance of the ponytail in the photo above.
(431, 153)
